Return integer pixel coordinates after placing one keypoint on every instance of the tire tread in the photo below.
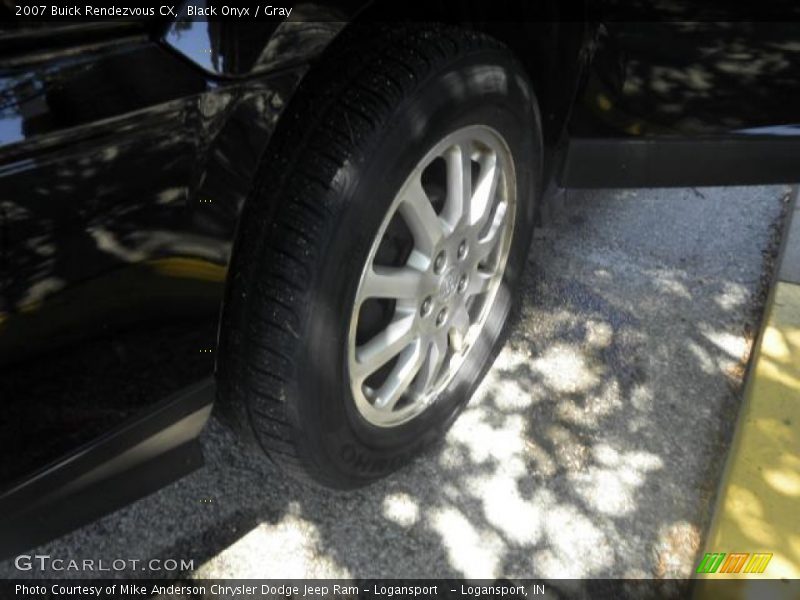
(325, 125)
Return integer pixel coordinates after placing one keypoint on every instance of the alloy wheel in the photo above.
(431, 276)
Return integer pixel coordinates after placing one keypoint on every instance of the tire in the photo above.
(359, 124)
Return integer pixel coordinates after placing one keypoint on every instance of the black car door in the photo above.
(107, 270)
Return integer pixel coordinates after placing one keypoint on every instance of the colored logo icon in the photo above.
(735, 562)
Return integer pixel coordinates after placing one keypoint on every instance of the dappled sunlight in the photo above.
(785, 477)
(401, 508)
(519, 519)
(565, 370)
(610, 486)
(668, 283)
(486, 442)
(786, 564)
(776, 371)
(776, 343)
(604, 402)
(516, 394)
(593, 448)
(641, 399)
(471, 552)
(734, 346)
(732, 297)
(599, 334)
(775, 431)
(289, 549)
(746, 508)
(703, 357)
(567, 449)
(676, 547)
(572, 534)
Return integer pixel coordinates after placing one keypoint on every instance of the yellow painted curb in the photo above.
(758, 509)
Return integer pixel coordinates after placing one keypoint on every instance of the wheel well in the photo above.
(548, 38)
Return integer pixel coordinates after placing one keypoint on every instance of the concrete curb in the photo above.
(755, 530)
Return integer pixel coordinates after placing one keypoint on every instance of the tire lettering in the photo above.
(364, 463)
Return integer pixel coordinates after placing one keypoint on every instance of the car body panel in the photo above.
(677, 103)
(122, 172)
(128, 462)
(116, 234)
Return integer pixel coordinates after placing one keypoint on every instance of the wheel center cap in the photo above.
(448, 285)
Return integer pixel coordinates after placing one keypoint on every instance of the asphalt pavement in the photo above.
(594, 447)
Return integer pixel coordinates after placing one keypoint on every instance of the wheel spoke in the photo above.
(391, 282)
(384, 346)
(401, 376)
(417, 211)
(459, 184)
(460, 320)
(479, 283)
(483, 199)
(488, 242)
(432, 364)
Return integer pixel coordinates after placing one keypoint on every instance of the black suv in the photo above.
(318, 221)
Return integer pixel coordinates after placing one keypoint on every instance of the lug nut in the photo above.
(462, 284)
(439, 262)
(462, 250)
(425, 308)
(441, 317)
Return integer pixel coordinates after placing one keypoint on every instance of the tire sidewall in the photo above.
(486, 88)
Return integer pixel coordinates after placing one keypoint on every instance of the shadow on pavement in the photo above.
(592, 449)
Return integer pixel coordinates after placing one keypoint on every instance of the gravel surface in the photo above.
(593, 448)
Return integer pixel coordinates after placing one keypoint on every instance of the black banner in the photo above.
(77, 11)
(391, 589)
